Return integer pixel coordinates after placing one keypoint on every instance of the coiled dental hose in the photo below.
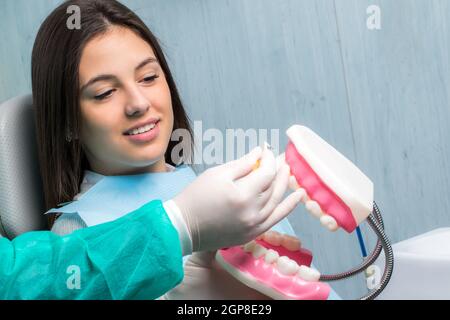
(375, 221)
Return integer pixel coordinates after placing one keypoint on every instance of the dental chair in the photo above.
(21, 193)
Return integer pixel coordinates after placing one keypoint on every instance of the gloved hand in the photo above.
(232, 204)
(205, 279)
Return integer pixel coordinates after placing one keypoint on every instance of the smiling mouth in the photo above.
(142, 129)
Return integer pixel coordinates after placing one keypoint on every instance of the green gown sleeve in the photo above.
(135, 257)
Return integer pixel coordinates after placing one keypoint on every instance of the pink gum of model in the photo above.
(262, 274)
(318, 190)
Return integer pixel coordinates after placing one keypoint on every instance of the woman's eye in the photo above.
(150, 79)
(104, 95)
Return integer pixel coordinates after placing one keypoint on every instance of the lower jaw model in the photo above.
(335, 191)
(275, 265)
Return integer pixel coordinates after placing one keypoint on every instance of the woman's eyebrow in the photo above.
(102, 77)
(106, 77)
(145, 62)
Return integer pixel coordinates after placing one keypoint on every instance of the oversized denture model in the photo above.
(334, 190)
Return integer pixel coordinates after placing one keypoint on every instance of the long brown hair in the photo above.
(55, 84)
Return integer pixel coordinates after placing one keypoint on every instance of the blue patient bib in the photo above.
(115, 196)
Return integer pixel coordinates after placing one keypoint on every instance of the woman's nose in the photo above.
(137, 103)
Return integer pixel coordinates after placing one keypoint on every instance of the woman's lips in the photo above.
(146, 136)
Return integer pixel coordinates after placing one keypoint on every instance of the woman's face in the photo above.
(123, 87)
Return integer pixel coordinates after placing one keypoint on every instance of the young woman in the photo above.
(106, 105)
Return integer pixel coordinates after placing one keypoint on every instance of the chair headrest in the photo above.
(21, 193)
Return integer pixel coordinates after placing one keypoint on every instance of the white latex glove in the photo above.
(232, 204)
(205, 279)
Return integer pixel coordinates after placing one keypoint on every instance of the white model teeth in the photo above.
(273, 238)
(277, 239)
(290, 243)
(329, 222)
(287, 266)
(283, 264)
(308, 274)
(258, 251)
(248, 247)
(314, 208)
(326, 220)
(271, 256)
(143, 129)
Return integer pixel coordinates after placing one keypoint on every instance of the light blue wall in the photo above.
(380, 97)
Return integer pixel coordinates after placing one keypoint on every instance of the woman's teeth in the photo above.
(142, 129)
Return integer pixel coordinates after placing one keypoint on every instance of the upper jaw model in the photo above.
(336, 191)
(333, 190)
